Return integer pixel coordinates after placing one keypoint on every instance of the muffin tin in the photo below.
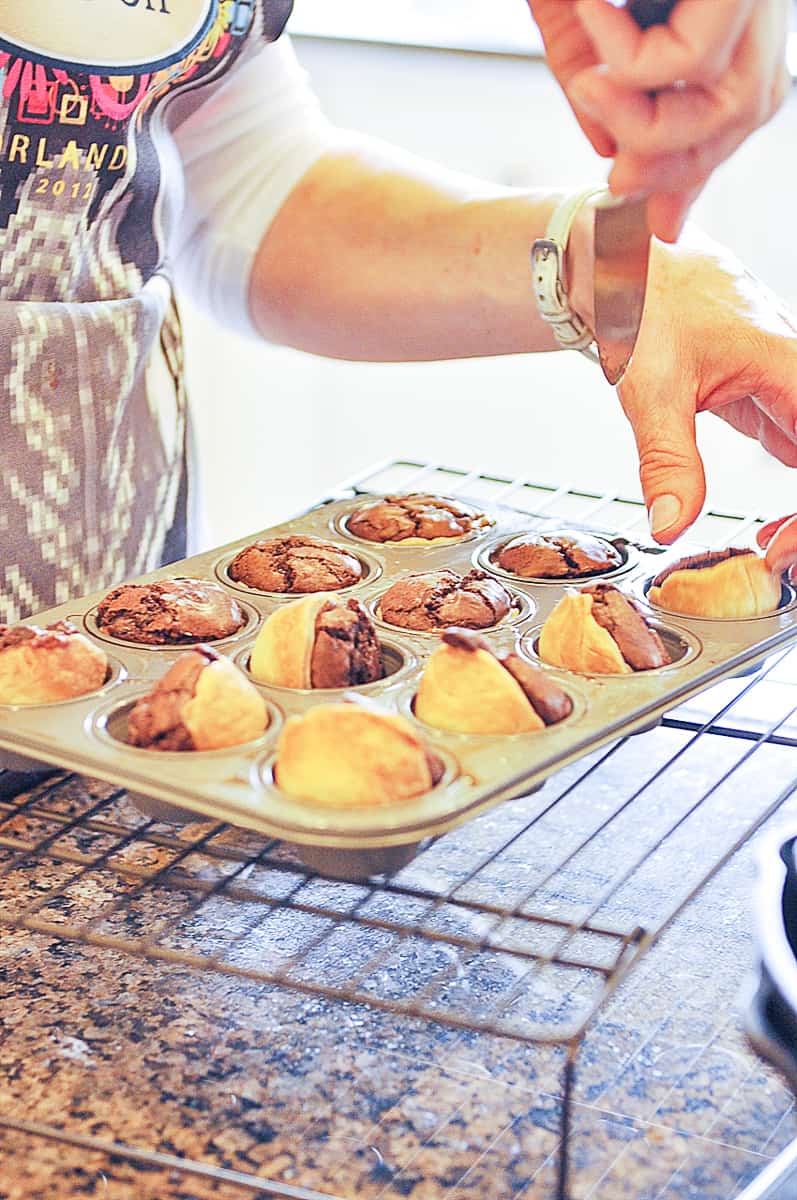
(236, 785)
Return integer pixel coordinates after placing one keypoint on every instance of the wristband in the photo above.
(547, 264)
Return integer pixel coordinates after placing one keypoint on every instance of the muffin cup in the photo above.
(339, 524)
(21, 764)
(532, 736)
(108, 724)
(371, 570)
(249, 626)
(114, 675)
(482, 559)
(397, 660)
(521, 609)
(163, 811)
(385, 826)
(356, 866)
(683, 648)
(788, 603)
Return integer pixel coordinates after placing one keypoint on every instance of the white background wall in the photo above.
(276, 427)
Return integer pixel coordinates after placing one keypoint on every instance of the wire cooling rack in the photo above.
(521, 924)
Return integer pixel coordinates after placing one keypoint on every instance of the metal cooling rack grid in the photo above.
(520, 924)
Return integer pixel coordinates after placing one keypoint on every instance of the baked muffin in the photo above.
(203, 702)
(41, 665)
(415, 519)
(319, 641)
(564, 555)
(435, 599)
(295, 564)
(349, 756)
(599, 630)
(720, 583)
(170, 612)
(466, 687)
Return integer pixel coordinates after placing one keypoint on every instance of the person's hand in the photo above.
(779, 539)
(674, 101)
(713, 339)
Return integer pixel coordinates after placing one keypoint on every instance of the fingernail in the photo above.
(663, 512)
(584, 100)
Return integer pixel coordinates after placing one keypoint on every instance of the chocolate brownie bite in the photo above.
(467, 687)
(600, 630)
(415, 518)
(435, 599)
(638, 642)
(169, 612)
(295, 564)
(346, 650)
(565, 555)
(203, 702)
(317, 641)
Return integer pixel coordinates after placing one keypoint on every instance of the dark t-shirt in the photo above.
(92, 406)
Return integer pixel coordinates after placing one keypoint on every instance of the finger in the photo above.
(599, 138)
(569, 51)
(672, 119)
(667, 213)
(782, 549)
(696, 44)
(745, 416)
(670, 467)
(681, 171)
(767, 532)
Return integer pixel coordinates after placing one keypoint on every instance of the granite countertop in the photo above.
(341, 1100)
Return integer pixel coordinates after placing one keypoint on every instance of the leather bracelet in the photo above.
(547, 264)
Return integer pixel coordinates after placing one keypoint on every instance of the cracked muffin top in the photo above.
(170, 612)
(436, 599)
(565, 555)
(295, 564)
(415, 518)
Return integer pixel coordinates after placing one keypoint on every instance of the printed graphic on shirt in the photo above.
(105, 35)
(66, 149)
(91, 398)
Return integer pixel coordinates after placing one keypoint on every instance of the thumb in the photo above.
(670, 467)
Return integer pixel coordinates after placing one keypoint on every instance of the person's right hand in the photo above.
(674, 101)
(713, 339)
(779, 539)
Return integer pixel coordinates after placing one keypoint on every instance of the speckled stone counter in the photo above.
(315, 1097)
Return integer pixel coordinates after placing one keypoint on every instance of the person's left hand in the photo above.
(779, 539)
(713, 339)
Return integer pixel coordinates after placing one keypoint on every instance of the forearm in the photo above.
(377, 255)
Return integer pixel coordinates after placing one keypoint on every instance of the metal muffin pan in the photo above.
(481, 770)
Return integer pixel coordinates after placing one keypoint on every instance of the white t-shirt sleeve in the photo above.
(243, 150)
